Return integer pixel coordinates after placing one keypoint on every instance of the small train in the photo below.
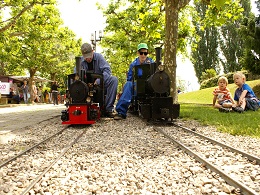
(84, 99)
(151, 95)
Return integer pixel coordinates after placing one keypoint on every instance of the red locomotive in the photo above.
(84, 99)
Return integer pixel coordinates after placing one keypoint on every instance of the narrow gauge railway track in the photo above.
(21, 139)
(39, 177)
(212, 154)
(6, 162)
(2, 133)
(22, 172)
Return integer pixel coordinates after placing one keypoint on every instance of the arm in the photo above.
(103, 66)
(130, 72)
(214, 100)
(242, 97)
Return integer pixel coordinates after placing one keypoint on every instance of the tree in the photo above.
(251, 32)
(39, 45)
(218, 12)
(204, 53)
(140, 19)
(231, 43)
(22, 7)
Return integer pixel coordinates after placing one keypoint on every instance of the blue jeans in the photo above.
(110, 91)
(125, 99)
(25, 97)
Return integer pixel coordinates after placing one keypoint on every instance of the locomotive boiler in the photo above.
(151, 92)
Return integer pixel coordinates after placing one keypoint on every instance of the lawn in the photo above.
(198, 105)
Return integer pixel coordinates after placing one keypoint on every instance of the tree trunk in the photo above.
(171, 37)
(172, 8)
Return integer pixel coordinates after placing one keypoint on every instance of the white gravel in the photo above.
(124, 157)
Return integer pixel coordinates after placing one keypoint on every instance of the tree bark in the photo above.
(172, 8)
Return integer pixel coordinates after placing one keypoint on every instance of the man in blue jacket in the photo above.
(95, 62)
(125, 99)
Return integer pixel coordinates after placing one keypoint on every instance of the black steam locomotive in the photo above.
(151, 95)
(151, 99)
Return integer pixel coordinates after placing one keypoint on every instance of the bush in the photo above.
(256, 89)
(214, 80)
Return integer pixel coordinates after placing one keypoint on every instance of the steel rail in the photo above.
(249, 156)
(26, 127)
(245, 189)
(30, 148)
(51, 164)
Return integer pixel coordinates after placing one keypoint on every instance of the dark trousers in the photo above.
(55, 97)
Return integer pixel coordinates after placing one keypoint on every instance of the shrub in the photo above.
(214, 80)
(256, 89)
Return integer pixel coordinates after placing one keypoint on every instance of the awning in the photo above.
(36, 78)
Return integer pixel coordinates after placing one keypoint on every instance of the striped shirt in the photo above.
(222, 94)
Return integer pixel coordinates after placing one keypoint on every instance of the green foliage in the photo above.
(211, 82)
(37, 43)
(209, 73)
(142, 21)
(221, 11)
(251, 33)
(226, 39)
(205, 54)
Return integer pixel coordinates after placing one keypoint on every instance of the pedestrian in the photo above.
(25, 90)
(14, 95)
(54, 91)
(39, 93)
(92, 61)
(222, 99)
(34, 92)
(125, 99)
(244, 95)
(46, 96)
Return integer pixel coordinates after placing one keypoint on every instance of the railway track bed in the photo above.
(129, 157)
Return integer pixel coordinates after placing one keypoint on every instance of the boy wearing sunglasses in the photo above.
(125, 99)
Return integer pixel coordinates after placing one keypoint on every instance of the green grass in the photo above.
(198, 105)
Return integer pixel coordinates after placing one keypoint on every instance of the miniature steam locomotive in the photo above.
(84, 99)
(151, 99)
(151, 95)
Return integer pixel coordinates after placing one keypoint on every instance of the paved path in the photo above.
(21, 116)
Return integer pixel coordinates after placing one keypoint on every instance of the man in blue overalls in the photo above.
(95, 62)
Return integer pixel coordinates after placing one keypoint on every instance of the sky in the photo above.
(84, 18)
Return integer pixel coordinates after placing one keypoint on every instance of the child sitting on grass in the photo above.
(244, 95)
(222, 97)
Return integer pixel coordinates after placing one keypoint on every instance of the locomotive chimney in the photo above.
(78, 65)
(158, 51)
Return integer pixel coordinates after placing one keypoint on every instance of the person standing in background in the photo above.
(25, 89)
(46, 96)
(34, 92)
(54, 91)
(39, 93)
